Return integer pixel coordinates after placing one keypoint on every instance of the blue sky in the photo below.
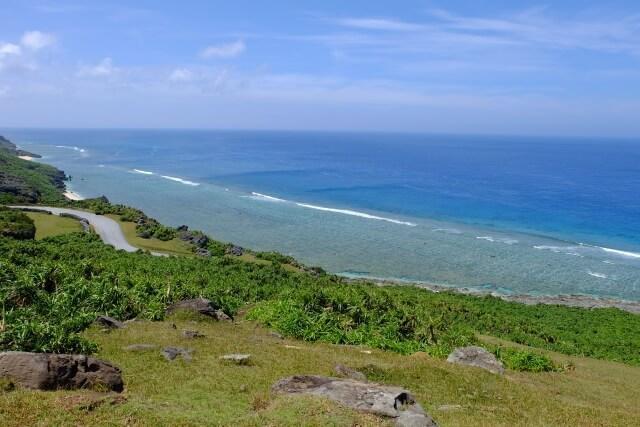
(514, 67)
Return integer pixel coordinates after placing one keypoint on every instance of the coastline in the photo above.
(71, 195)
(579, 301)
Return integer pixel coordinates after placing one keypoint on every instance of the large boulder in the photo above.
(45, 371)
(198, 305)
(478, 357)
(109, 322)
(386, 401)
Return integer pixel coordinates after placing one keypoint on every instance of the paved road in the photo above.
(108, 229)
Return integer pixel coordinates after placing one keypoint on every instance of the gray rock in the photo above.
(198, 305)
(192, 334)
(109, 322)
(238, 359)
(478, 357)
(276, 335)
(347, 372)
(221, 315)
(140, 347)
(171, 353)
(203, 252)
(387, 401)
(45, 371)
(235, 251)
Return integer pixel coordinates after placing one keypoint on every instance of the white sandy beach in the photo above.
(25, 157)
(72, 195)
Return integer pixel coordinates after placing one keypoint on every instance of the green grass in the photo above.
(23, 181)
(172, 247)
(210, 392)
(53, 225)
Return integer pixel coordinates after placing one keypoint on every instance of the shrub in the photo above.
(523, 360)
(16, 224)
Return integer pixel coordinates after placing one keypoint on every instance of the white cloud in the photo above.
(8, 49)
(181, 75)
(104, 68)
(224, 50)
(36, 40)
(381, 24)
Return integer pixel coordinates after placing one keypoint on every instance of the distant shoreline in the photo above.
(580, 301)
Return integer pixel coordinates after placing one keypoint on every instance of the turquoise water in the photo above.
(510, 215)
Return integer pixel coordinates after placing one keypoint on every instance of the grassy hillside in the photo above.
(207, 391)
(23, 181)
(53, 289)
(53, 225)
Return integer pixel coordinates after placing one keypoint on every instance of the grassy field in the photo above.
(53, 225)
(207, 391)
(171, 247)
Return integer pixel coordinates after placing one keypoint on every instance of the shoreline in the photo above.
(71, 195)
(578, 301)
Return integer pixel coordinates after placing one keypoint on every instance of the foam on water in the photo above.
(263, 197)
(356, 213)
(180, 180)
(505, 240)
(598, 275)
(74, 148)
(143, 172)
(267, 198)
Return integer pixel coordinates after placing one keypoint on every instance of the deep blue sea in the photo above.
(504, 214)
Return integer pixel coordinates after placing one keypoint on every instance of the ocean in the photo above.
(511, 215)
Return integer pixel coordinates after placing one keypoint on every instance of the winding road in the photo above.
(108, 229)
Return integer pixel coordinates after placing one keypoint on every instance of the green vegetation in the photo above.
(48, 225)
(174, 246)
(207, 391)
(16, 224)
(53, 289)
(23, 181)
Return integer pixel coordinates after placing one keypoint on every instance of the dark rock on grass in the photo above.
(238, 359)
(235, 251)
(140, 347)
(182, 228)
(386, 401)
(203, 252)
(200, 306)
(109, 322)
(347, 372)
(44, 371)
(171, 353)
(478, 357)
(192, 334)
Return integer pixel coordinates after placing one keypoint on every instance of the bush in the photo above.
(523, 360)
(16, 224)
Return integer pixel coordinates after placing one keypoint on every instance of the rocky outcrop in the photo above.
(478, 357)
(109, 322)
(11, 148)
(235, 251)
(347, 372)
(44, 371)
(192, 334)
(386, 401)
(171, 353)
(200, 306)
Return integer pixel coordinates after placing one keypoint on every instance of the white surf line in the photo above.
(267, 198)
(143, 172)
(355, 213)
(180, 180)
(264, 197)
(621, 253)
(598, 275)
